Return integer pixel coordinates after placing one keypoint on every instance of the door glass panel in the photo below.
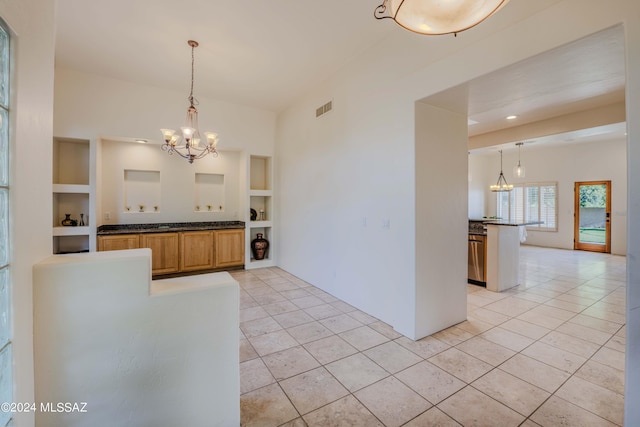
(593, 211)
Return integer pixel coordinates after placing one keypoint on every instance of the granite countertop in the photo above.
(168, 227)
(511, 223)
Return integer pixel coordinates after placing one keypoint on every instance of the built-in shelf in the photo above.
(71, 188)
(71, 161)
(266, 232)
(260, 173)
(72, 194)
(260, 224)
(260, 193)
(71, 244)
(260, 198)
(70, 231)
(262, 206)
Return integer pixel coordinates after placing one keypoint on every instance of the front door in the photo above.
(592, 229)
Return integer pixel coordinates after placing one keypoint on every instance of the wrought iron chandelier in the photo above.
(437, 17)
(501, 185)
(188, 143)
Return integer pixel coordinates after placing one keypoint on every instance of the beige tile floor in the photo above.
(547, 353)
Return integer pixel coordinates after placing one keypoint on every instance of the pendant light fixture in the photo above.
(501, 185)
(188, 143)
(518, 170)
(437, 17)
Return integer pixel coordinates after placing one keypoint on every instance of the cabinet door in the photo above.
(229, 248)
(118, 242)
(196, 250)
(164, 251)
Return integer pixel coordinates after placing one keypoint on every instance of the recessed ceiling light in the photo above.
(141, 141)
(511, 117)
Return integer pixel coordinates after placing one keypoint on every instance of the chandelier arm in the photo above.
(380, 12)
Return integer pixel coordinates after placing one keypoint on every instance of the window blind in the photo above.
(531, 202)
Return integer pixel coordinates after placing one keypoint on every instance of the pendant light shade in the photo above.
(518, 169)
(436, 17)
(502, 184)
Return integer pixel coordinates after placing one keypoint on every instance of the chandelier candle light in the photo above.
(501, 185)
(437, 17)
(187, 144)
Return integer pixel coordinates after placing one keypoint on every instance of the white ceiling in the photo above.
(587, 73)
(582, 75)
(258, 53)
(266, 53)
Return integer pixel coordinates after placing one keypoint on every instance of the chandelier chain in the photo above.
(193, 56)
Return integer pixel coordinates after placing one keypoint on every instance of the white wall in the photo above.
(138, 352)
(564, 164)
(87, 106)
(364, 157)
(632, 97)
(177, 196)
(32, 26)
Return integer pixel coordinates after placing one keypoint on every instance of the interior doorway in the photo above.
(592, 216)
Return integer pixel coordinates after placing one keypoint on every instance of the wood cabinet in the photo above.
(229, 248)
(185, 251)
(196, 250)
(164, 251)
(118, 242)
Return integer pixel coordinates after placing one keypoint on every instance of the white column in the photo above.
(441, 219)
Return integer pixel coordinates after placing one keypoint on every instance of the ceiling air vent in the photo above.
(324, 109)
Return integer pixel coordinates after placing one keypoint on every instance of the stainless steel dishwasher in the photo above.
(477, 270)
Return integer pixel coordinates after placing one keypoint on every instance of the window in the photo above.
(6, 381)
(531, 203)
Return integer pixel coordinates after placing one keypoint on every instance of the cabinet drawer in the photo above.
(119, 242)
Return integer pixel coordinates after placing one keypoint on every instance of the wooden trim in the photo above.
(593, 247)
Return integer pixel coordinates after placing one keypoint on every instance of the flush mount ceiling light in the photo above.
(518, 169)
(437, 17)
(501, 185)
(188, 142)
(511, 117)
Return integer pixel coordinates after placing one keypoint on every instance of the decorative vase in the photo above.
(81, 220)
(67, 221)
(259, 247)
(253, 214)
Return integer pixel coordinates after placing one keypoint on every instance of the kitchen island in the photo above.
(503, 253)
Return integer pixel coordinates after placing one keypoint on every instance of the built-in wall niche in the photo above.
(209, 194)
(262, 207)
(70, 244)
(266, 234)
(76, 205)
(260, 173)
(71, 161)
(141, 191)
